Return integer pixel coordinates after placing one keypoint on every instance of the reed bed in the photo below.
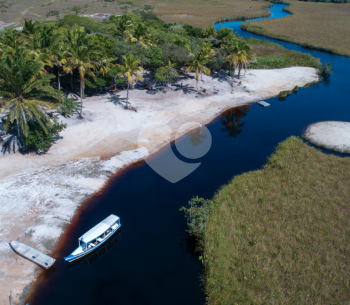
(314, 25)
(281, 235)
(273, 56)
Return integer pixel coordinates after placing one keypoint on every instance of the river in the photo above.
(153, 263)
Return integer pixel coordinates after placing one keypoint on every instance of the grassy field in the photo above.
(195, 12)
(319, 25)
(281, 235)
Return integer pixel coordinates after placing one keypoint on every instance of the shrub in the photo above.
(295, 89)
(68, 106)
(284, 93)
(147, 7)
(326, 70)
(37, 138)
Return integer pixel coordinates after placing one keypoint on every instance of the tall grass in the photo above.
(272, 56)
(254, 28)
(281, 235)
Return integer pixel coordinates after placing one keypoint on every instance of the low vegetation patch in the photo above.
(271, 55)
(308, 20)
(280, 235)
(284, 93)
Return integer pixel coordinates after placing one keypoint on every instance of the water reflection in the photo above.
(197, 136)
(195, 144)
(94, 256)
(231, 120)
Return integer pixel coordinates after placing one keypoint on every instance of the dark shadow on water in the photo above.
(231, 120)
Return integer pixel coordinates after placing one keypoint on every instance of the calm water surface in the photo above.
(153, 264)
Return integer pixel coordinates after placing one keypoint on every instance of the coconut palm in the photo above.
(139, 35)
(124, 24)
(225, 34)
(208, 50)
(84, 60)
(27, 94)
(198, 61)
(209, 32)
(12, 41)
(241, 55)
(59, 60)
(30, 27)
(130, 67)
(229, 49)
(75, 38)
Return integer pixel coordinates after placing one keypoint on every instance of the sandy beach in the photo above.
(40, 193)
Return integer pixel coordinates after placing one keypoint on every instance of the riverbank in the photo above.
(40, 194)
(314, 25)
(274, 231)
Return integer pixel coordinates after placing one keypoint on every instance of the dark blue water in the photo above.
(153, 262)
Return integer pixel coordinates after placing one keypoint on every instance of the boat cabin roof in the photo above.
(99, 229)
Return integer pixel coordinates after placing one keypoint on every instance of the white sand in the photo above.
(330, 134)
(40, 193)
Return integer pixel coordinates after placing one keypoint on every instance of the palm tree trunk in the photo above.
(197, 87)
(81, 99)
(239, 70)
(58, 79)
(71, 80)
(127, 94)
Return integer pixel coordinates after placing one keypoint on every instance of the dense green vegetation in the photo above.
(279, 235)
(76, 54)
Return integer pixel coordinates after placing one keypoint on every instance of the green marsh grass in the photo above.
(281, 235)
(273, 56)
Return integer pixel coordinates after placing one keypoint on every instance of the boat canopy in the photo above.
(99, 229)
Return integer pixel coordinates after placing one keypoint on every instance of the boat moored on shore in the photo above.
(95, 237)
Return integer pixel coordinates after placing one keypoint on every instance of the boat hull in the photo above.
(33, 255)
(72, 258)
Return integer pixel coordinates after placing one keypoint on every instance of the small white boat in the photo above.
(95, 237)
(32, 254)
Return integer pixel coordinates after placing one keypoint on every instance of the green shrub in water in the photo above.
(326, 70)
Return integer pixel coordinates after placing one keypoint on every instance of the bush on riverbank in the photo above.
(281, 235)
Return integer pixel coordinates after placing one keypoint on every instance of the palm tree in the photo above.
(27, 94)
(12, 41)
(241, 55)
(225, 34)
(209, 32)
(30, 27)
(84, 60)
(124, 24)
(75, 38)
(198, 61)
(208, 50)
(139, 35)
(229, 49)
(59, 60)
(130, 67)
